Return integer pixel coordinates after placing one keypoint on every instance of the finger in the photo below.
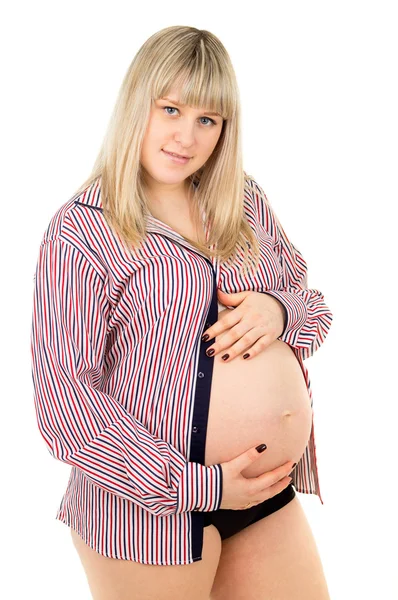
(259, 346)
(272, 490)
(248, 344)
(221, 325)
(233, 342)
(280, 485)
(270, 478)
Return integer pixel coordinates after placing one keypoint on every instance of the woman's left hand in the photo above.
(256, 323)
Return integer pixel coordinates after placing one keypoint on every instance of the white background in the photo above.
(319, 99)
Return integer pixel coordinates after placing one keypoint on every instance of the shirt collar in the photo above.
(92, 197)
(154, 225)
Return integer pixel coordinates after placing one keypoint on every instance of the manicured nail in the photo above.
(205, 338)
(210, 352)
(225, 356)
(261, 447)
(246, 355)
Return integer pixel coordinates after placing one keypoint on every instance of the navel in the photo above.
(286, 413)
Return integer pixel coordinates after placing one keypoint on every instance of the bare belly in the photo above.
(260, 400)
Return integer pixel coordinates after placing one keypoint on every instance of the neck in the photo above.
(174, 201)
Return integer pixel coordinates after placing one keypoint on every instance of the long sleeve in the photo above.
(308, 318)
(83, 426)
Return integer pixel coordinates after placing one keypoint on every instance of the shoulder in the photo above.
(70, 219)
(79, 222)
(256, 202)
(254, 190)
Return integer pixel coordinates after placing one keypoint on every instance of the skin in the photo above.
(184, 130)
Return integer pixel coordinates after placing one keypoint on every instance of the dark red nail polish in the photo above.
(205, 338)
(261, 448)
(210, 352)
(225, 356)
(246, 355)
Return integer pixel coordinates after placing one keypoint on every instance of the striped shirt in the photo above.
(122, 381)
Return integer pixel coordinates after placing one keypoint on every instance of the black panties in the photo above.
(229, 522)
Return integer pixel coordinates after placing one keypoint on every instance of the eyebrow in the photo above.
(214, 114)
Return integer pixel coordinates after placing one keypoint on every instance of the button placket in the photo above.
(201, 401)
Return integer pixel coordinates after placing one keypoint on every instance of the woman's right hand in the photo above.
(238, 490)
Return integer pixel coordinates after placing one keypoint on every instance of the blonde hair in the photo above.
(197, 62)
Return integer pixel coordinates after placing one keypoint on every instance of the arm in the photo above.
(83, 426)
(307, 318)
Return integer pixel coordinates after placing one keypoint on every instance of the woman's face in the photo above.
(180, 129)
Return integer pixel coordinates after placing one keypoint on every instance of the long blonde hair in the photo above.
(197, 60)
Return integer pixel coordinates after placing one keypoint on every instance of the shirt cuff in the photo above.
(296, 313)
(200, 488)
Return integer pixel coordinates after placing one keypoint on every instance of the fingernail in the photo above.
(294, 465)
(225, 356)
(210, 352)
(205, 338)
(246, 355)
(261, 447)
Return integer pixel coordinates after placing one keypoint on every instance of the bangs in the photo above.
(199, 83)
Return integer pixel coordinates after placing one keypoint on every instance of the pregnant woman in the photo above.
(171, 319)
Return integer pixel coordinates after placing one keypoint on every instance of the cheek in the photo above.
(153, 135)
(208, 143)
(215, 139)
(155, 132)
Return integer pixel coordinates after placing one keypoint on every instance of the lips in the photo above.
(175, 154)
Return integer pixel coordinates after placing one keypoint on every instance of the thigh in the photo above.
(275, 558)
(114, 579)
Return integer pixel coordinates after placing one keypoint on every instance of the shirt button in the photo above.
(195, 429)
(200, 374)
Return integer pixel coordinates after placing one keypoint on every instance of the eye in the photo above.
(173, 108)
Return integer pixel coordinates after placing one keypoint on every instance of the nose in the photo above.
(184, 134)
